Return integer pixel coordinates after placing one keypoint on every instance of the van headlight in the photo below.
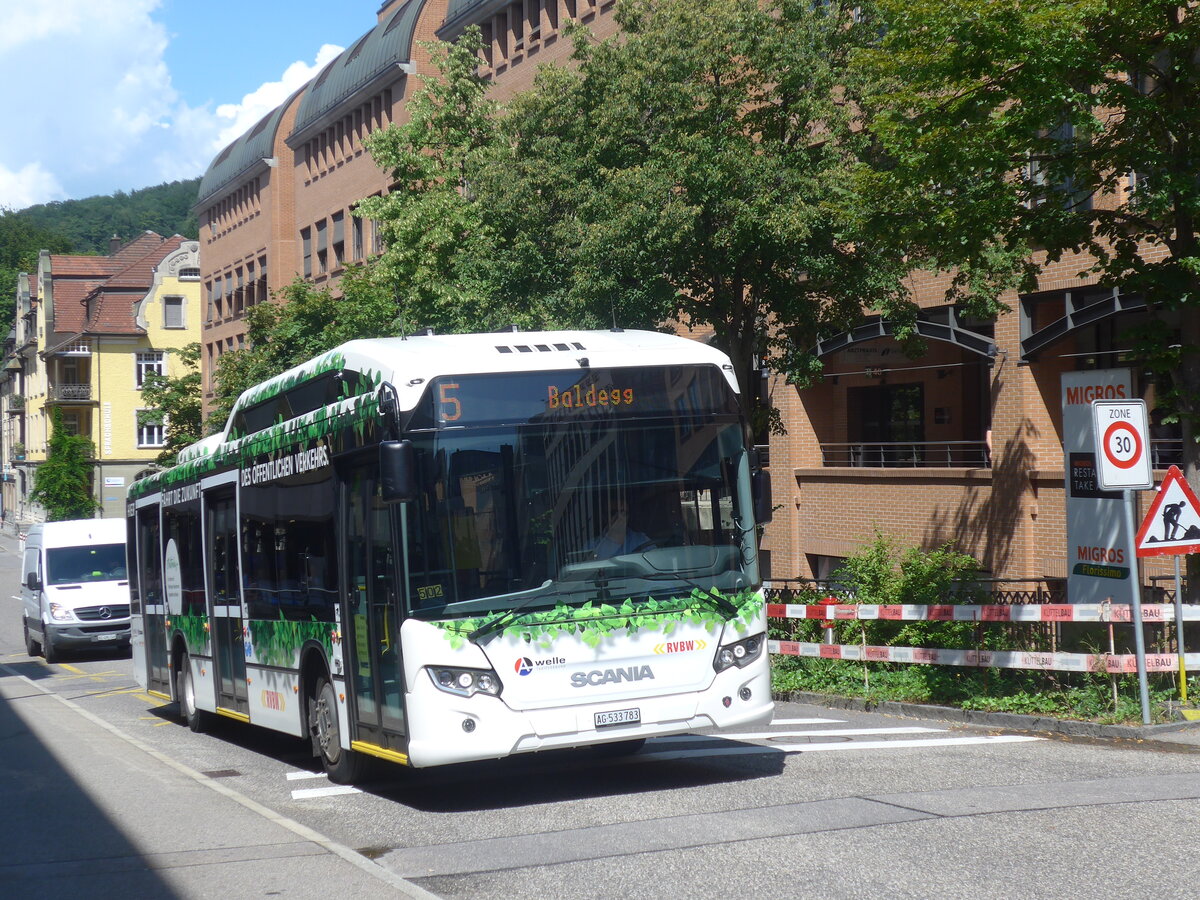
(739, 653)
(465, 682)
(61, 613)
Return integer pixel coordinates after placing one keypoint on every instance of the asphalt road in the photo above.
(822, 803)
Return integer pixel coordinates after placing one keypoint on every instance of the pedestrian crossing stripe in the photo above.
(1172, 524)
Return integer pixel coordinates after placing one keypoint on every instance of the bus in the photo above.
(445, 548)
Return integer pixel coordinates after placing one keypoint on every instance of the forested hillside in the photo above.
(89, 223)
(85, 226)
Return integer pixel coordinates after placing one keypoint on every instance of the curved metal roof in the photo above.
(252, 147)
(461, 13)
(386, 45)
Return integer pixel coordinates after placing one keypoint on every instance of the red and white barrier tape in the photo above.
(986, 659)
(993, 612)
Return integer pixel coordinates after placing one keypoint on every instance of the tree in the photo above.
(1015, 132)
(20, 241)
(693, 170)
(174, 401)
(62, 485)
(1032, 121)
(304, 322)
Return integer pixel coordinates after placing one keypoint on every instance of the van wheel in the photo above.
(185, 689)
(341, 765)
(32, 647)
(49, 651)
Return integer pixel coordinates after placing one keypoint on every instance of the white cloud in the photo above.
(28, 185)
(89, 106)
(245, 115)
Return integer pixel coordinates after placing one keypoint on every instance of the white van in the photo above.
(74, 586)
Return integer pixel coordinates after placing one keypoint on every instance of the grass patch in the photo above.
(1065, 695)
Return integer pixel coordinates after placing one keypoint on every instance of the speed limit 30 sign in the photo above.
(1122, 445)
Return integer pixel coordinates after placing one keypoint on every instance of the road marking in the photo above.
(300, 776)
(830, 732)
(311, 793)
(807, 721)
(903, 745)
(786, 749)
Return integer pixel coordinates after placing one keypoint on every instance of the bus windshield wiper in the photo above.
(721, 603)
(502, 618)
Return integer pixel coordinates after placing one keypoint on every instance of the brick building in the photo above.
(963, 445)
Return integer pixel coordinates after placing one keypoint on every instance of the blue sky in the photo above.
(104, 95)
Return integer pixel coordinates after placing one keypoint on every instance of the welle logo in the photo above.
(525, 666)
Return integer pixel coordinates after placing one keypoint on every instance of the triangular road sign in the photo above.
(1172, 524)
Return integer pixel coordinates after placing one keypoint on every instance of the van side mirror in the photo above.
(760, 488)
(397, 471)
(33, 582)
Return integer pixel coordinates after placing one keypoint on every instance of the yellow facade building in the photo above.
(88, 332)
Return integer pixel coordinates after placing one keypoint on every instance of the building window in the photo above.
(173, 312)
(357, 247)
(339, 240)
(148, 362)
(322, 248)
(190, 273)
(150, 429)
(306, 241)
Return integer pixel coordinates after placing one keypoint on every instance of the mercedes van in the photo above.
(74, 586)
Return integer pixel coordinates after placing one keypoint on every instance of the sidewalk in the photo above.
(90, 812)
(1180, 735)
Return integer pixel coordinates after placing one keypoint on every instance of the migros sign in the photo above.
(1083, 395)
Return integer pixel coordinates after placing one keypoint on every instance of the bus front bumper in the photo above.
(444, 728)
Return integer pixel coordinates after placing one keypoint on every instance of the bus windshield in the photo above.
(568, 508)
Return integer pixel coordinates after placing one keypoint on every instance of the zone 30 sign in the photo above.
(1122, 445)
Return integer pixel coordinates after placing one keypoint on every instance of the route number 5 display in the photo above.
(1122, 445)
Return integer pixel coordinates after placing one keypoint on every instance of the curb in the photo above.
(1044, 724)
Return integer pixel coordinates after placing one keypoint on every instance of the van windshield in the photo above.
(75, 565)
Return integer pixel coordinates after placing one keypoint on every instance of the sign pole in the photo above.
(1139, 639)
(1179, 634)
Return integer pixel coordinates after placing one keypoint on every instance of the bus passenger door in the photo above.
(371, 619)
(224, 590)
(154, 603)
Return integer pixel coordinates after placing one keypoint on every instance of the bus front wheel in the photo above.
(185, 690)
(341, 765)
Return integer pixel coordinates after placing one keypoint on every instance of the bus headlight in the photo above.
(465, 682)
(739, 653)
(61, 613)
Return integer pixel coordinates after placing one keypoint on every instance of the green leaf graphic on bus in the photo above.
(195, 632)
(592, 623)
(277, 642)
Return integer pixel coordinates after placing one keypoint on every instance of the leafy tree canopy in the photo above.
(88, 224)
(695, 169)
(305, 322)
(62, 485)
(175, 401)
(1020, 133)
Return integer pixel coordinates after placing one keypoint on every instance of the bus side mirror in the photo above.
(33, 582)
(397, 471)
(760, 487)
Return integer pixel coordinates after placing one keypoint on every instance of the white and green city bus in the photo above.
(438, 549)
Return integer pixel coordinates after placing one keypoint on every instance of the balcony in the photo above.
(69, 393)
(908, 455)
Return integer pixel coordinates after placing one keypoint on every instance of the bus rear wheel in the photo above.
(341, 765)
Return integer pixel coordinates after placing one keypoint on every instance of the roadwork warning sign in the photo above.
(1172, 524)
